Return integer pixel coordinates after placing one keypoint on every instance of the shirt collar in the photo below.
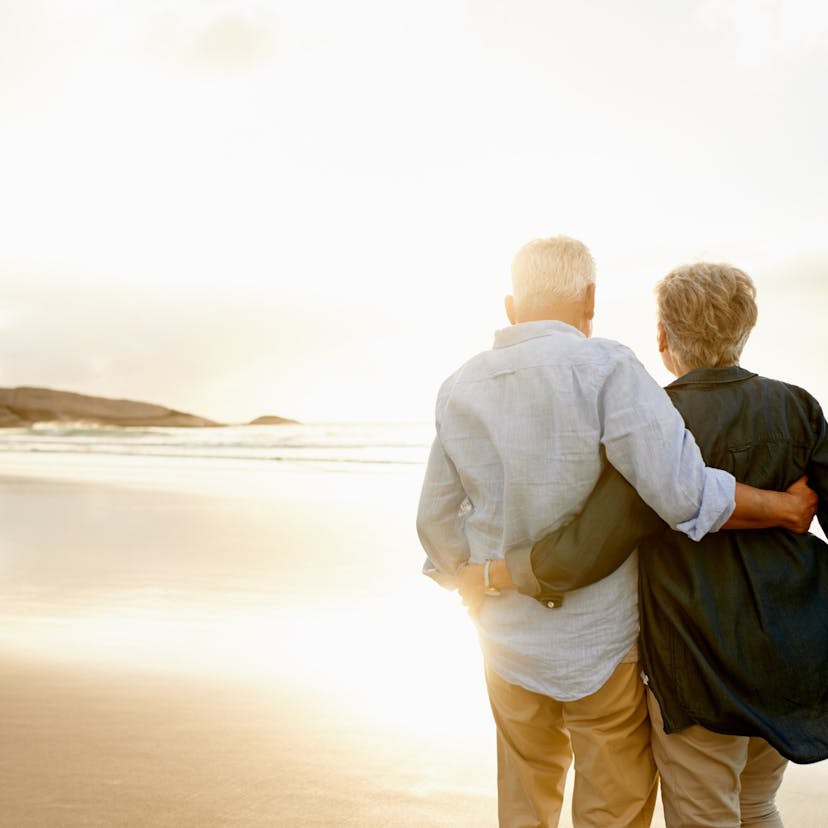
(515, 334)
(713, 376)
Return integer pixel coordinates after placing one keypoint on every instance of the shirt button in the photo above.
(551, 604)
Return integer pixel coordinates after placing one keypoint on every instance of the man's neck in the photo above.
(570, 314)
(575, 312)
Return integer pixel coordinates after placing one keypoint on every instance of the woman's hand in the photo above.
(471, 588)
(471, 583)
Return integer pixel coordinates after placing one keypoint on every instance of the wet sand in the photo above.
(179, 658)
(89, 747)
(183, 658)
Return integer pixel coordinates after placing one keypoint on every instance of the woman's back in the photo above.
(735, 628)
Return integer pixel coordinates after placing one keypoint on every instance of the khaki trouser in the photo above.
(709, 780)
(609, 735)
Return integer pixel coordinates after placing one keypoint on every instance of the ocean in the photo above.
(323, 445)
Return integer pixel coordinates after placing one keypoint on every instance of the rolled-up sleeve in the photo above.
(645, 439)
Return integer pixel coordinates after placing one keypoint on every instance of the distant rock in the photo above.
(8, 419)
(269, 419)
(24, 406)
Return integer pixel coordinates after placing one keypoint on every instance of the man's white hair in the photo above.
(546, 270)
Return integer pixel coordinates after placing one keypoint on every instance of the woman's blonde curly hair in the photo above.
(707, 311)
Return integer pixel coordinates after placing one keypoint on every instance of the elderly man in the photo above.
(523, 434)
(733, 630)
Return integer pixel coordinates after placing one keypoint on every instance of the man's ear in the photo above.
(509, 303)
(590, 301)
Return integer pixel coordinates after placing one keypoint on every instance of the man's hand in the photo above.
(793, 509)
(803, 504)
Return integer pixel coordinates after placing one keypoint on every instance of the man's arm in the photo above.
(793, 509)
(614, 521)
(440, 517)
(645, 439)
(645, 436)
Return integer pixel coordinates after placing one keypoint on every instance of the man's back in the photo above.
(521, 424)
(521, 435)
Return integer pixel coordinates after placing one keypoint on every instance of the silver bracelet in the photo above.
(488, 589)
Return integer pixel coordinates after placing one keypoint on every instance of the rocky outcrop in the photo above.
(270, 419)
(24, 406)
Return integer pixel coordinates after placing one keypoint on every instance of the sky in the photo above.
(309, 208)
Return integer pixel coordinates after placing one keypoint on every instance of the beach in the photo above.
(184, 643)
(97, 747)
(191, 642)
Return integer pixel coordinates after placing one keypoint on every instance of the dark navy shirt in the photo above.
(734, 628)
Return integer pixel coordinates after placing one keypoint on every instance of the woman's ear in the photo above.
(661, 338)
(667, 356)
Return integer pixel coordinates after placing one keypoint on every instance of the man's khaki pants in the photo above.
(609, 735)
(709, 780)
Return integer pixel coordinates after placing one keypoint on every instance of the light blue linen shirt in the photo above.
(523, 433)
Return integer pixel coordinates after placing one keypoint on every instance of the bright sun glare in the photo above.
(417, 670)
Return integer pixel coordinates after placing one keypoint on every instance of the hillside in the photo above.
(25, 406)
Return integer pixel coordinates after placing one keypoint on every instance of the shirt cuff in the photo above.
(519, 563)
(444, 580)
(717, 505)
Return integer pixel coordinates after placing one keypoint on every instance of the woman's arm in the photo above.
(612, 524)
(580, 553)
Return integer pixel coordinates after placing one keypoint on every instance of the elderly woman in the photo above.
(734, 629)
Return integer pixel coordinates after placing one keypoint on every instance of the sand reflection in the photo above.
(269, 651)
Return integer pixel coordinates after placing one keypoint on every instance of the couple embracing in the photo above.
(648, 599)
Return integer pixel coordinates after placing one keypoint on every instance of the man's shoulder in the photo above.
(604, 357)
(595, 352)
(608, 349)
(473, 365)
